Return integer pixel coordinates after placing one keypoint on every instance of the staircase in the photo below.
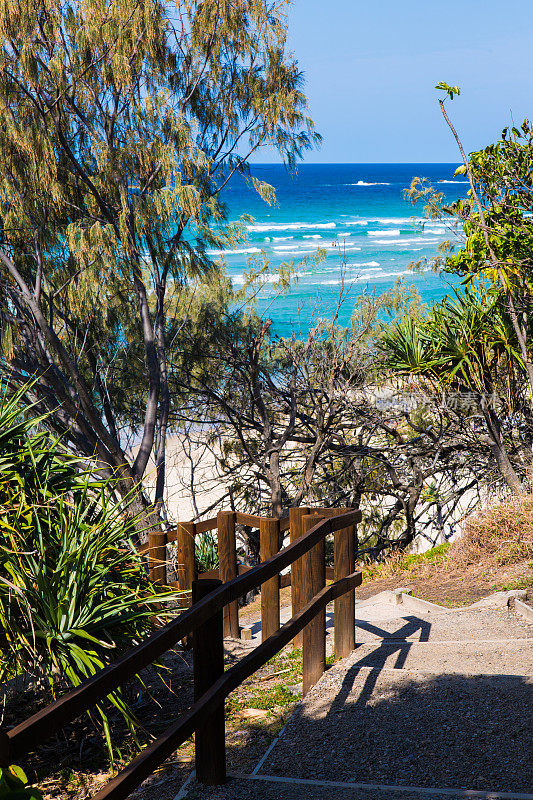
(432, 703)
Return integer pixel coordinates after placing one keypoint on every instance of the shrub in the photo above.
(206, 552)
(14, 785)
(74, 594)
(500, 531)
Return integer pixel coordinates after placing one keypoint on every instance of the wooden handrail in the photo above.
(253, 520)
(142, 766)
(45, 723)
(199, 527)
(206, 525)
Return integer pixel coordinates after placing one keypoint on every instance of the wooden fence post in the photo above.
(157, 556)
(296, 531)
(227, 564)
(344, 549)
(314, 634)
(185, 533)
(269, 546)
(208, 666)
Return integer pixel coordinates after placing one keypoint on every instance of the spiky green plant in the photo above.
(74, 594)
(14, 785)
(206, 552)
(461, 343)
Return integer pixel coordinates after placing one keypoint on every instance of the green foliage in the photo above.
(451, 91)
(206, 551)
(408, 562)
(73, 592)
(14, 785)
(460, 344)
(435, 555)
(519, 583)
(120, 125)
(279, 695)
(500, 245)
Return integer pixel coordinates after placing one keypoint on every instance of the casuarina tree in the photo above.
(120, 124)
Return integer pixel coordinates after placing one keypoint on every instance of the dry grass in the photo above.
(501, 532)
(399, 565)
(495, 552)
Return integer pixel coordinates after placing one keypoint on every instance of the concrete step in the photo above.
(488, 657)
(398, 615)
(402, 727)
(275, 788)
(436, 703)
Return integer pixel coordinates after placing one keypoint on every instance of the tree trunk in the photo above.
(276, 494)
(505, 467)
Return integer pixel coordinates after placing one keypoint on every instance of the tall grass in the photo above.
(502, 532)
(497, 535)
(206, 552)
(74, 594)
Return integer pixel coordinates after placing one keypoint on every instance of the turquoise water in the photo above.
(358, 214)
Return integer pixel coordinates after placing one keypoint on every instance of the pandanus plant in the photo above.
(462, 344)
(74, 594)
(465, 344)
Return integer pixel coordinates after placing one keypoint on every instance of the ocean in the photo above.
(358, 214)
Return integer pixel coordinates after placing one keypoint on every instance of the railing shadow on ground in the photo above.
(378, 658)
(403, 728)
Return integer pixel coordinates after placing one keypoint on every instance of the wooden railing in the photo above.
(271, 531)
(212, 684)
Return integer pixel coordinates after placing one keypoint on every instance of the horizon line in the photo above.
(331, 163)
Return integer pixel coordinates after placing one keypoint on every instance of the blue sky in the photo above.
(371, 67)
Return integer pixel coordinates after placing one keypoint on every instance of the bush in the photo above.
(500, 531)
(401, 562)
(14, 785)
(206, 552)
(74, 594)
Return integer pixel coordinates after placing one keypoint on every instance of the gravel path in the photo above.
(402, 727)
(442, 700)
(378, 618)
(500, 657)
(242, 788)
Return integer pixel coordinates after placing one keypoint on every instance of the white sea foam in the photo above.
(289, 226)
(376, 275)
(296, 253)
(342, 247)
(438, 230)
(403, 272)
(364, 183)
(309, 236)
(453, 181)
(420, 240)
(282, 247)
(394, 232)
(397, 220)
(407, 241)
(355, 222)
(233, 252)
(282, 238)
(341, 235)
